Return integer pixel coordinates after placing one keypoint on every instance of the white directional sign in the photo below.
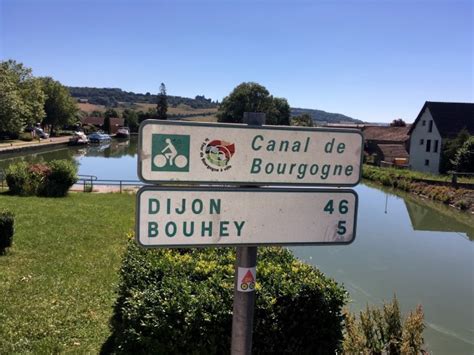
(240, 154)
(179, 217)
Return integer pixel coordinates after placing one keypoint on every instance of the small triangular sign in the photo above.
(248, 278)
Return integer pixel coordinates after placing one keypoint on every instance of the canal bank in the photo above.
(33, 146)
(460, 197)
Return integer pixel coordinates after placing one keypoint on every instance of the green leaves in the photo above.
(59, 106)
(52, 179)
(180, 301)
(383, 331)
(253, 97)
(7, 221)
(21, 97)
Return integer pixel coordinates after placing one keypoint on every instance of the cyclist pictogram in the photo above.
(247, 281)
(170, 152)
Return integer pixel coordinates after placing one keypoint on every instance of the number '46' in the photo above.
(343, 208)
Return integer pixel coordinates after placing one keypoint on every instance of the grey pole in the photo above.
(244, 302)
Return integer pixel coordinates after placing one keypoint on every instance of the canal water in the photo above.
(419, 250)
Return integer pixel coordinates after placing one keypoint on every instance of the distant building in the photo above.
(436, 122)
(387, 144)
(346, 125)
(98, 122)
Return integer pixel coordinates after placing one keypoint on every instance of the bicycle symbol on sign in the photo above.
(170, 152)
(171, 157)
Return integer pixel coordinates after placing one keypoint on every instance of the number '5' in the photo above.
(341, 227)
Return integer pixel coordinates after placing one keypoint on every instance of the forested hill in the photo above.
(323, 116)
(110, 97)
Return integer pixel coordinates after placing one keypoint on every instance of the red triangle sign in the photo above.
(248, 278)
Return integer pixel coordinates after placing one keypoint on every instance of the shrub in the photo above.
(180, 301)
(16, 176)
(462, 204)
(6, 230)
(26, 136)
(26, 180)
(62, 176)
(41, 179)
(382, 331)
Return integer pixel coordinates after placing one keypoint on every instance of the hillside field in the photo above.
(208, 114)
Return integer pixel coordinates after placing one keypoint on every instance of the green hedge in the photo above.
(6, 230)
(180, 301)
(407, 180)
(63, 174)
(52, 179)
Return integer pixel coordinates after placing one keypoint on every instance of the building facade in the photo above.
(436, 122)
(425, 145)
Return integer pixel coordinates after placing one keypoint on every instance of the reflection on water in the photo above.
(92, 159)
(407, 251)
(420, 250)
(427, 217)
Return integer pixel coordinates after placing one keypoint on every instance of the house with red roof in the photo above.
(387, 144)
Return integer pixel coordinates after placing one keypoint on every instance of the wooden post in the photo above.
(244, 301)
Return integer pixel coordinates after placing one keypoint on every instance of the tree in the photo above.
(109, 113)
(450, 148)
(59, 106)
(96, 113)
(21, 97)
(162, 103)
(253, 97)
(464, 159)
(304, 120)
(130, 119)
(279, 113)
(398, 123)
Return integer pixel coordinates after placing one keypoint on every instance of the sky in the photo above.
(371, 60)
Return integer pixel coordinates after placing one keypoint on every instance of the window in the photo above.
(427, 162)
(423, 123)
(422, 141)
(428, 145)
(435, 149)
(430, 127)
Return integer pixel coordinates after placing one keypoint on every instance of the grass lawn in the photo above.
(57, 282)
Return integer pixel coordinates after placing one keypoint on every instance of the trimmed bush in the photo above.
(17, 177)
(6, 230)
(42, 179)
(180, 301)
(63, 174)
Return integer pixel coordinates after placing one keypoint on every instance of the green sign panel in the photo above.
(170, 152)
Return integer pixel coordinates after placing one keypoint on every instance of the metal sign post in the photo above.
(244, 299)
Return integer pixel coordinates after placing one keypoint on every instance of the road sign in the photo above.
(189, 152)
(179, 217)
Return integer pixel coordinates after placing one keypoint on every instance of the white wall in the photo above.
(418, 153)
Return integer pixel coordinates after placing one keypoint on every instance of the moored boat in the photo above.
(99, 137)
(78, 138)
(123, 132)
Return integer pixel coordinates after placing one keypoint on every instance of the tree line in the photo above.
(26, 101)
(112, 97)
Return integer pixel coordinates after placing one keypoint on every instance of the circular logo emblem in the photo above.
(216, 154)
